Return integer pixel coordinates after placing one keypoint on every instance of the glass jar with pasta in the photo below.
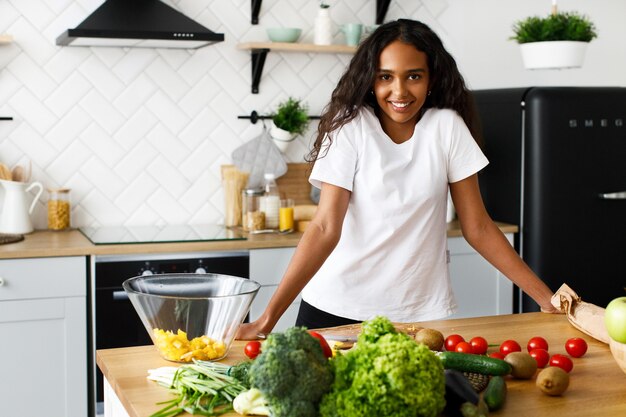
(59, 209)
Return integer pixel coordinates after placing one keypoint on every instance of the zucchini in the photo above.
(469, 362)
(495, 393)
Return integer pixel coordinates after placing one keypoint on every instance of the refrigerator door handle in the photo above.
(621, 195)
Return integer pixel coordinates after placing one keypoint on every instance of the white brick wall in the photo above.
(139, 134)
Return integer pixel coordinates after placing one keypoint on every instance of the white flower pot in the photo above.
(281, 137)
(553, 54)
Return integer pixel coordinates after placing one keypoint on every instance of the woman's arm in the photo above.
(484, 236)
(318, 241)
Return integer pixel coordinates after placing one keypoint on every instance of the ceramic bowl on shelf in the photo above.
(284, 34)
(191, 316)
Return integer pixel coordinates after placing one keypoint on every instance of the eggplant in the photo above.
(458, 391)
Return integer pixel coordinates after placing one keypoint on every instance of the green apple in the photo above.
(615, 319)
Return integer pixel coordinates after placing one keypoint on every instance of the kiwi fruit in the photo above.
(553, 381)
(432, 338)
(523, 366)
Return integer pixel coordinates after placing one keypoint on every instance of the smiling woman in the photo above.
(395, 137)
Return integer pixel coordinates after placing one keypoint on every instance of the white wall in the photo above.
(139, 134)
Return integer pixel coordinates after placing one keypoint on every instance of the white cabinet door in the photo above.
(43, 347)
(479, 288)
(267, 267)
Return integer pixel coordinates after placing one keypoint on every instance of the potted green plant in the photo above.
(290, 120)
(558, 40)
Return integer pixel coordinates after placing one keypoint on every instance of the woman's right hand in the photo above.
(252, 331)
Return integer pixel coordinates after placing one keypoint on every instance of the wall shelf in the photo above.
(381, 10)
(259, 51)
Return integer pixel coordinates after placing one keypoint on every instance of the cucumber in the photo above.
(495, 393)
(468, 362)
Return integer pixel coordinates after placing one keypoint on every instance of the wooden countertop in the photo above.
(46, 243)
(597, 385)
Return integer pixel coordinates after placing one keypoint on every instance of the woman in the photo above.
(396, 135)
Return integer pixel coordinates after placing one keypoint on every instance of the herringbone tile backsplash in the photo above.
(139, 134)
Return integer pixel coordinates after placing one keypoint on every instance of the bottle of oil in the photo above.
(270, 202)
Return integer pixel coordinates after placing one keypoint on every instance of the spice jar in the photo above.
(59, 209)
(252, 218)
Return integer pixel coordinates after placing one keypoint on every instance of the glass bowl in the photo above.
(191, 316)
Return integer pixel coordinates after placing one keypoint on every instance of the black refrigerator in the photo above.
(558, 170)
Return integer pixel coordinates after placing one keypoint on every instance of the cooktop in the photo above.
(113, 235)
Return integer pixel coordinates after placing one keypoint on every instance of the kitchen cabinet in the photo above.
(479, 288)
(43, 322)
(267, 267)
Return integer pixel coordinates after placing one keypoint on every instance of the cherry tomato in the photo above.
(328, 352)
(252, 349)
(453, 340)
(537, 343)
(576, 347)
(496, 355)
(541, 356)
(562, 361)
(464, 347)
(479, 344)
(509, 346)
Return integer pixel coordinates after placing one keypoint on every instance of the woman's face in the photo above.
(401, 88)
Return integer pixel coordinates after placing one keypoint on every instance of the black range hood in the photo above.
(139, 23)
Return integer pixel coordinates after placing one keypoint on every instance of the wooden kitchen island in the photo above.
(597, 384)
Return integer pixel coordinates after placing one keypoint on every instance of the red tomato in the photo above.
(479, 344)
(252, 349)
(537, 343)
(541, 356)
(453, 340)
(496, 355)
(576, 347)
(464, 347)
(562, 361)
(328, 352)
(509, 346)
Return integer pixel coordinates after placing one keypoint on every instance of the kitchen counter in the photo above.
(597, 385)
(47, 243)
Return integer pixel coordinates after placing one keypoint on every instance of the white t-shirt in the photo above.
(392, 256)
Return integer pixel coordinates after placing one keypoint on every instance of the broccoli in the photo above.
(241, 372)
(386, 374)
(292, 373)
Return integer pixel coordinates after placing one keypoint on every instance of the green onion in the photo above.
(202, 388)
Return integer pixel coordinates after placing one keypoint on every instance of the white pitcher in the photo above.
(15, 217)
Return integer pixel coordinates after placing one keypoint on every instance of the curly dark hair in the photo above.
(447, 86)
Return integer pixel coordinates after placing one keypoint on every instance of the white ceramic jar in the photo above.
(323, 29)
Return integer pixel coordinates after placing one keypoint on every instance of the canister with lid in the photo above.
(59, 208)
(253, 219)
